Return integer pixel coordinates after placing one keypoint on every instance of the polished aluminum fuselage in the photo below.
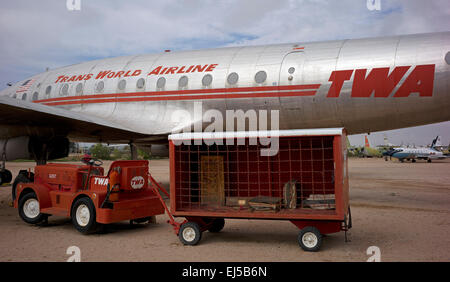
(313, 62)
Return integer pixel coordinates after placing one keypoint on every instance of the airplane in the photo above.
(414, 154)
(387, 145)
(364, 85)
(368, 151)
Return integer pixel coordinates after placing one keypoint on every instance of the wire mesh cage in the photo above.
(236, 178)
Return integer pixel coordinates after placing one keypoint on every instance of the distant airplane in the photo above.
(369, 152)
(414, 154)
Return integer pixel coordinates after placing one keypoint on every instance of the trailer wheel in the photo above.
(29, 209)
(310, 239)
(190, 233)
(217, 225)
(83, 216)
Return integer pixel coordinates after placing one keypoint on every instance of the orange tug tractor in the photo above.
(86, 195)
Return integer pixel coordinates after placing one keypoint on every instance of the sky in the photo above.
(45, 34)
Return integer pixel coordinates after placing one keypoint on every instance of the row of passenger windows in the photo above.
(232, 79)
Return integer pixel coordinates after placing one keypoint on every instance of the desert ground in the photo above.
(401, 208)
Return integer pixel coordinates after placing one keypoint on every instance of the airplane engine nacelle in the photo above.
(15, 148)
(26, 147)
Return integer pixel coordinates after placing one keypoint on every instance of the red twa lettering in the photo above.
(377, 81)
(338, 78)
(381, 83)
(421, 80)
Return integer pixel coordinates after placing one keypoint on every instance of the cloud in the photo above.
(40, 34)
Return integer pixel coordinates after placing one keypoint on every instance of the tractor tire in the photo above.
(83, 216)
(29, 209)
(22, 177)
(310, 239)
(217, 225)
(190, 233)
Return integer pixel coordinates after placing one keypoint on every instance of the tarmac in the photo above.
(401, 209)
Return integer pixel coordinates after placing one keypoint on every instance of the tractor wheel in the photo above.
(310, 239)
(217, 225)
(29, 209)
(190, 233)
(22, 177)
(83, 216)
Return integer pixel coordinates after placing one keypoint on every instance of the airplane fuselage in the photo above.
(417, 153)
(364, 85)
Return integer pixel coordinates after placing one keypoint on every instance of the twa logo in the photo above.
(101, 181)
(380, 83)
(137, 182)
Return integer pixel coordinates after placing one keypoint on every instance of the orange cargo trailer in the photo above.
(304, 181)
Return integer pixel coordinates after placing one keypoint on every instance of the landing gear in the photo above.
(5, 176)
(429, 160)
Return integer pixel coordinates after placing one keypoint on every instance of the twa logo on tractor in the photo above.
(137, 182)
(101, 181)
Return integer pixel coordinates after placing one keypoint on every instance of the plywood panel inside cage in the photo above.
(212, 181)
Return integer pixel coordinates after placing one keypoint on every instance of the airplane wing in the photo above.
(79, 127)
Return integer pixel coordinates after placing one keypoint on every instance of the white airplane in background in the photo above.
(364, 85)
(414, 154)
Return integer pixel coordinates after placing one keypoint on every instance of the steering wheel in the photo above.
(95, 162)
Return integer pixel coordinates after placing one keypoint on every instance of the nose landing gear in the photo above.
(5, 175)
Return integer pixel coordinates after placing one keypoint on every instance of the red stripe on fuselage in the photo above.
(183, 92)
(184, 97)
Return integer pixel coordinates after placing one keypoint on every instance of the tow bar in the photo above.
(157, 188)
